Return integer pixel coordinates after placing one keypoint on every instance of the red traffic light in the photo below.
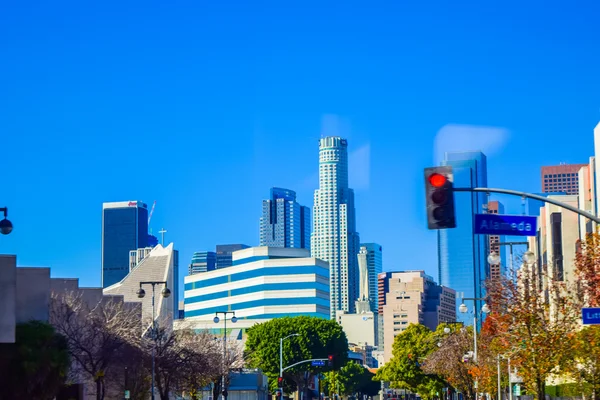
(330, 357)
(437, 180)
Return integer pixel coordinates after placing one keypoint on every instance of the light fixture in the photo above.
(493, 258)
(485, 308)
(446, 330)
(166, 292)
(234, 319)
(463, 308)
(216, 319)
(529, 257)
(141, 293)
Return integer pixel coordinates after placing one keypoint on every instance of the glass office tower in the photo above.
(203, 261)
(462, 255)
(375, 267)
(284, 222)
(124, 228)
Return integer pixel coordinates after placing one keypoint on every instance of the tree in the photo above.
(587, 358)
(224, 362)
(96, 332)
(411, 348)
(318, 338)
(36, 365)
(587, 266)
(535, 319)
(351, 379)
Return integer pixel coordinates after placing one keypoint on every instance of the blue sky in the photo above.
(203, 106)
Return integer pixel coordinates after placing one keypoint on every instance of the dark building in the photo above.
(203, 261)
(224, 251)
(284, 222)
(124, 228)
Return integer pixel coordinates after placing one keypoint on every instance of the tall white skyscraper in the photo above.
(334, 238)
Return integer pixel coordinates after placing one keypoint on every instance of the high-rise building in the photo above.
(561, 178)
(495, 207)
(412, 297)
(375, 267)
(124, 228)
(587, 197)
(203, 261)
(462, 255)
(224, 254)
(284, 222)
(263, 283)
(334, 237)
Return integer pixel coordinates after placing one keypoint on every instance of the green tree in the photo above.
(587, 358)
(351, 379)
(318, 338)
(404, 370)
(36, 365)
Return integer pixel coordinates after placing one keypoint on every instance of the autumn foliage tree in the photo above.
(587, 267)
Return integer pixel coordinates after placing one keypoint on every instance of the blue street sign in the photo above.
(591, 316)
(317, 363)
(511, 225)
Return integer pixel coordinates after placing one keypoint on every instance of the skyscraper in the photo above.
(375, 266)
(203, 261)
(284, 222)
(224, 251)
(495, 207)
(334, 238)
(124, 228)
(561, 178)
(462, 255)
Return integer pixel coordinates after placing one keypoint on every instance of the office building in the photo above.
(161, 264)
(224, 254)
(412, 297)
(561, 178)
(587, 197)
(334, 238)
(124, 228)
(462, 255)
(152, 240)
(375, 267)
(494, 243)
(263, 283)
(284, 222)
(203, 261)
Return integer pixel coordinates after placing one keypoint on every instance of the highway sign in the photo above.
(590, 316)
(513, 225)
(317, 363)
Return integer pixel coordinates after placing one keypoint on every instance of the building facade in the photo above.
(284, 222)
(375, 267)
(203, 261)
(412, 297)
(224, 254)
(334, 238)
(494, 244)
(561, 178)
(263, 283)
(462, 255)
(124, 228)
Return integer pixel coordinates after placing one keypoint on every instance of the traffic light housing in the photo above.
(280, 381)
(330, 360)
(439, 197)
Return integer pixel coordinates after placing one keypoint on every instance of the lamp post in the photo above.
(6, 226)
(166, 292)
(216, 320)
(484, 309)
(281, 358)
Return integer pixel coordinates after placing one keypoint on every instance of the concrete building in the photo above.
(462, 255)
(263, 283)
(496, 271)
(161, 264)
(561, 178)
(224, 254)
(203, 261)
(334, 238)
(412, 297)
(284, 222)
(587, 196)
(124, 228)
(359, 328)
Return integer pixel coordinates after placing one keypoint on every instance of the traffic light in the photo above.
(439, 198)
(330, 360)
(280, 381)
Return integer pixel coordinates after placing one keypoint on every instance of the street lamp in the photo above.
(233, 319)
(529, 257)
(6, 226)
(281, 358)
(484, 309)
(166, 292)
(493, 258)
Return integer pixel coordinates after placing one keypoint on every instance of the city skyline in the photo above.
(80, 128)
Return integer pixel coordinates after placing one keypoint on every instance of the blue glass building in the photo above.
(462, 255)
(203, 261)
(124, 228)
(224, 254)
(284, 222)
(375, 267)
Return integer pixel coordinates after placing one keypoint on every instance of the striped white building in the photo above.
(263, 283)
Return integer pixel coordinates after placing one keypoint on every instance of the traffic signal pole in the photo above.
(532, 196)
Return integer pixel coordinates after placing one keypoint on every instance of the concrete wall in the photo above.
(8, 287)
(33, 294)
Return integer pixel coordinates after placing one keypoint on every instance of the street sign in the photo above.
(591, 316)
(512, 225)
(317, 363)
(127, 394)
